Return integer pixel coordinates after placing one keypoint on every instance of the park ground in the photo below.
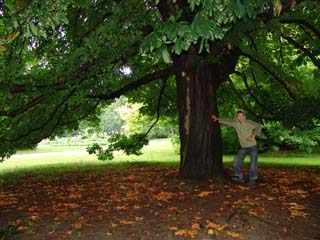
(144, 201)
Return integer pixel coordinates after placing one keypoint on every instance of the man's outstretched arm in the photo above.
(226, 121)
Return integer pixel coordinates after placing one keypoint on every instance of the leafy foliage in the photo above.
(280, 138)
(129, 144)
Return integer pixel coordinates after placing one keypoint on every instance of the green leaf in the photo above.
(201, 46)
(194, 3)
(15, 24)
(183, 28)
(239, 9)
(177, 47)
(34, 29)
(165, 55)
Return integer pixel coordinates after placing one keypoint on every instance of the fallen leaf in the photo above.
(180, 232)
(77, 226)
(121, 207)
(22, 228)
(215, 226)
(192, 233)
(195, 226)
(163, 196)
(173, 209)
(233, 234)
(124, 222)
(205, 193)
(173, 228)
(131, 177)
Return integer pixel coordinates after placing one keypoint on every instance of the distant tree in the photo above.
(110, 119)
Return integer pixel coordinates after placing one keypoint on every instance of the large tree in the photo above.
(62, 60)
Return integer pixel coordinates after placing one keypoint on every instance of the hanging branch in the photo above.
(271, 73)
(49, 119)
(24, 108)
(281, 50)
(164, 73)
(53, 128)
(244, 104)
(244, 78)
(253, 43)
(79, 75)
(158, 105)
(59, 124)
(304, 23)
(304, 29)
(299, 46)
(253, 75)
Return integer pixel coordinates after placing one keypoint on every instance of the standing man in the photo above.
(246, 131)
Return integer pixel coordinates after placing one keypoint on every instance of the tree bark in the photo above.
(200, 137)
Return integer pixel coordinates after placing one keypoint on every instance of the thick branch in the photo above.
(271, 73)
(79, 75)
(244, 78)
(244, 104)
(304, 23)
(58, 123)
(303, 49)
(24, 108)
(162, 74)
(253, 75)
(49, 119)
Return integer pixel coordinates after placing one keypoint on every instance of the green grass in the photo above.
(44, 148)
(157, 152)
(290, 160)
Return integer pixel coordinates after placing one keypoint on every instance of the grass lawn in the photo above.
(158, 151)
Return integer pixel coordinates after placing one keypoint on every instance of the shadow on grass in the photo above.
(56, 170)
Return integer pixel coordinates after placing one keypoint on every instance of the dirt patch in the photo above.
(145, 203)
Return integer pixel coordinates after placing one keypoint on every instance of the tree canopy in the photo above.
(61, 61)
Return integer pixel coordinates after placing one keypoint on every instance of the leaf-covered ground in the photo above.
(151, 203)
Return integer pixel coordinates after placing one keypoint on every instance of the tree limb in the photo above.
(60, 124)
(252, 73)
(304, 23)
(49, 119)
(164, 82)
(244, 104)
(244, 78)
(271, 73)
(24, 108)
(162, 74)
(303, 49)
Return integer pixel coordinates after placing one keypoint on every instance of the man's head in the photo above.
(241, 115)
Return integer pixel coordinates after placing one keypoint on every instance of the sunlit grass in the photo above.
(157, 152)
(160, 150)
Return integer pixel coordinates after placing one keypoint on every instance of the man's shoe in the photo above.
(237, 180)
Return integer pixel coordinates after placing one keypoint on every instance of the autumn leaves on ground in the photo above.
(151, 202)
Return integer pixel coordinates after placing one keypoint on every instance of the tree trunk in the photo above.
(200, 137)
